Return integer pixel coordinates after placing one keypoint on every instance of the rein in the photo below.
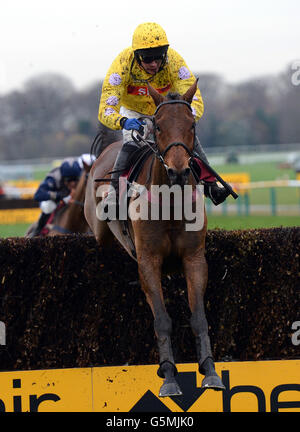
(79, 203)
(161, 155)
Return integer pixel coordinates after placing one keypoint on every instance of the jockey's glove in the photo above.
(132, 123)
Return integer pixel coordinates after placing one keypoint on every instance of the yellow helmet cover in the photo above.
(149, 35)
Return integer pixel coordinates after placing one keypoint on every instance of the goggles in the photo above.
(150, 59)
(69, 179)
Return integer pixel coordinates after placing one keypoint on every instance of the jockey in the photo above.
(125, 95)
(57, 186)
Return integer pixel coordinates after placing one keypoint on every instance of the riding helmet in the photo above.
(68, 169)
(150, 37)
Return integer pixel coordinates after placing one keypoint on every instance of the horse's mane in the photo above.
(103, 139)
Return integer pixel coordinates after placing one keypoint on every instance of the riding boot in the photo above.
(39, 225)
(211, 189)
(199, 152)
(121, 164)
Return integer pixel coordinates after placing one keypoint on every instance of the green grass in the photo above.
(259, 171)
(266, 171)
(40, 174)
(249, 222)
(284, 196)
(17, 230)
(233, 222)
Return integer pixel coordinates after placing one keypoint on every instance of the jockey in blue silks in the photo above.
(57, 187)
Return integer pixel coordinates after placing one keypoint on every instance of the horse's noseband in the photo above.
(176, 144)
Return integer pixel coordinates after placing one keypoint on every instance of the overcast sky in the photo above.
(237, 39)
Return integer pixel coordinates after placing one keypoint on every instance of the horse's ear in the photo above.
(188, 96)
(157, 97)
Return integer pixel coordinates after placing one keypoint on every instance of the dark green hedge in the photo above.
(65, 303)
(17, 203)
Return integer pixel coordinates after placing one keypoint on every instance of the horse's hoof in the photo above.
(212, 382)
(170, 388)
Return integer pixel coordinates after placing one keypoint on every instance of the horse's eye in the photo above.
(193, 126)
(157, 128)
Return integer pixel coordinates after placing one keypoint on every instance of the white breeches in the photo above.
(48, 207)
(148, 127)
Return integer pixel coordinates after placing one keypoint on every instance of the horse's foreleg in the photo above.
(150, 277)
(196, 276)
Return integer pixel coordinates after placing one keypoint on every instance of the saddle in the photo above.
(137, 161)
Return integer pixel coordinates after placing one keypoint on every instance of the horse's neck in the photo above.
(60, 215)
(75, 213)
(74, 219)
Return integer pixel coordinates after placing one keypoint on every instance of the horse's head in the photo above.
(174, 125)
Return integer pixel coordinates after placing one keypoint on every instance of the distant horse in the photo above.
(69, 218)
(161, 242)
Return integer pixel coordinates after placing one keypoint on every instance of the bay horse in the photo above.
(69, 218)
(159, 241)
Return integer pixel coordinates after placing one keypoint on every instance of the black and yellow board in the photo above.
(15, 216)
(267, 386)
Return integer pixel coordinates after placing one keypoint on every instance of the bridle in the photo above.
(173, 101)
(153, 145)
